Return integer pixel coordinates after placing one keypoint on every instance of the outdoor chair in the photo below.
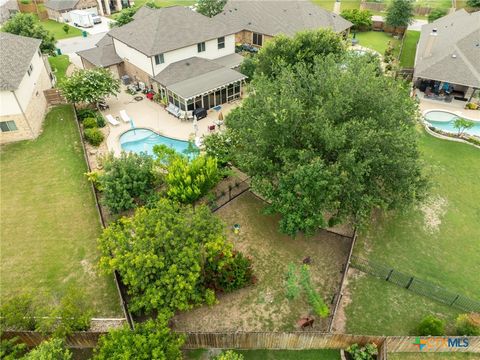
(174, 110)
(112, 120)
(211, 128)
(124, 116)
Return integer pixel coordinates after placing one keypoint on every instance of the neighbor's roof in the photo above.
(455, 50)
(15, 57)
(229, 61)
(101, 56)
(279, 17)
(61, 4)
(195, 76)
(160, 30)
(105, 40)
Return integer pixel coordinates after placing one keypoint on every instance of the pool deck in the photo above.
(457, 107)
(151, 115)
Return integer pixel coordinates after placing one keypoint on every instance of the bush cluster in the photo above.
(229, 274)
(316, 302)
(367, 352)
(93, 136)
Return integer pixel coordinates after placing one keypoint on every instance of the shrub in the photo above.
(292, 288)
(12, 349)
(100, 121)
(126, 179)
(93, 136)
(431, 325)
(361, 19)
(472, 106)
(53, 349)
(229, 355)
(18, 313)
(228, 274)
(210, 298)
(66, 28)
(314, 299)
(82, 114)
(220, 146)
(467, 326)
(90, 123)
(247, 67)
(436, 14)
(367, 352)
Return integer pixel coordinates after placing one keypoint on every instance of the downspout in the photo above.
(23, 113)
(153, 70)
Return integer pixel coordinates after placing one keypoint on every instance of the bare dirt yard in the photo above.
(264, 306)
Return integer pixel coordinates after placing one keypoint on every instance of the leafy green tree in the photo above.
(28, 25)
(89, 86)
(229, 355)
(399, 13)
(126, 180)
(247, 67)
(124, 17)
(12, 349)
(18, 313)
(367, 352)
(436, 14)
(161, 253)
(151, 340)
(53, 349)
(220, 146)
(66, 28)
(431, 325)
(210, 7)
(361, 19)
(304, 47)
(473, 3)
(319, 143)
(462, 125)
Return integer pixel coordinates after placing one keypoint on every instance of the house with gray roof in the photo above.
(59, 10)
(24, 76)
(448, 56)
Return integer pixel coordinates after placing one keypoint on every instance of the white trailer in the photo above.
(81, 18)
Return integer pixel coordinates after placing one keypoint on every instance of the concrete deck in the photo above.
(456, 106)
(151, 115)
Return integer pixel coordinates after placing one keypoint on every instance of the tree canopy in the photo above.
(284, 51)
(210, 7)
(473, 3)
(150, 340)
(53, 349)
(124, 17)
(28, 25)
(436, 14)
(329, 141)
(89, 86)
(400, 13)
(361, 19)
(462, 124)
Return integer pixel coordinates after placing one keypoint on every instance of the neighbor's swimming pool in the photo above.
(143, 140)
(443, 120)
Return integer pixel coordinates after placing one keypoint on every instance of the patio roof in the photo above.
(196, 76)
(101, 56)
(229, 61)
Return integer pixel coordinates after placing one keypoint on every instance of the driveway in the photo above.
(101, 28)
(415, 26)
(72, 45)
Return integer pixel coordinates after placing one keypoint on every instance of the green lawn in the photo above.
(407, 58)
(350, 4)
(59, 65)
(273, 354)
(377, 40)
(326, 4)
(164, 3)
(49, 223)
(433, 356)
(57, 29)
(438, 243)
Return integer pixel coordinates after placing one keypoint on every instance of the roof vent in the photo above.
(434, 30)
(187, 63)
(454, 56)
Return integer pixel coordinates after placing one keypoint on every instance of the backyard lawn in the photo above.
(437, 242)
(57, 29)
(59, 65)
(264, 306)
(433, 356)
(377, 40)
(407, 58)
(272, 354)
(49, 224)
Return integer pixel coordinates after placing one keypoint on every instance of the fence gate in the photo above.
(54, 97)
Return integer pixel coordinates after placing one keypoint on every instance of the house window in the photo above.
(201, 47)
(30, 69)
(257, 39)
(8, 126)
(159, 59)
(221, 42)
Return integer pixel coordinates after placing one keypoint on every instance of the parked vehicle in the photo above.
(81, 18)
(96, 19)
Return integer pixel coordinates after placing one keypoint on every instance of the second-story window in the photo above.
(257, 39)
(221, 42)
(201, 47)
(159, 59)
(30, 69)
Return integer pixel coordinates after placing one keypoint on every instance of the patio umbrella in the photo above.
(220, 116)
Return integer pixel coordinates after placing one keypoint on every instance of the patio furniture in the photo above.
(189, 115)
(112, 120)
(174, 110)
(200, 113)
(124, 116)
(211, 128)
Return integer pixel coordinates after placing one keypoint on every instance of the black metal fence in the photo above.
(416, 285)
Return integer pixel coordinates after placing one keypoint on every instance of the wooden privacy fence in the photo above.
(54, 97)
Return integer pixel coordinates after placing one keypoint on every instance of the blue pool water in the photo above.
(143, 140)
(444, 120)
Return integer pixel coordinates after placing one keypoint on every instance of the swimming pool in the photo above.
(444, 120)
(143, 140)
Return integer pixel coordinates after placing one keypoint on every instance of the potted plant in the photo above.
(164, 102)
(357, 352)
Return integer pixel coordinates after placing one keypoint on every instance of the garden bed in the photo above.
(264, 306)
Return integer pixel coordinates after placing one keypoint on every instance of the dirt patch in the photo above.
(433, 210)
(88, 268)
(264, 306)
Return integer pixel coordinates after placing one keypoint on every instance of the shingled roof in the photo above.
(101, 56)
(15, 58)
(279, 17)
(61, 5)
(449, 49)
(160, 30)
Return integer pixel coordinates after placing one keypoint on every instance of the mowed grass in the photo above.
(377, 40)
(264, 306)
(407, 57)
(49, 224)
(57, 29)
(59, 65)
(324, 354)
(439, 244)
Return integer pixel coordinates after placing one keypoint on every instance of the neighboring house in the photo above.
(189, 58)
(59, 10)
(23, 78)
(448, 51)
(256, 22)
(7, 9)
